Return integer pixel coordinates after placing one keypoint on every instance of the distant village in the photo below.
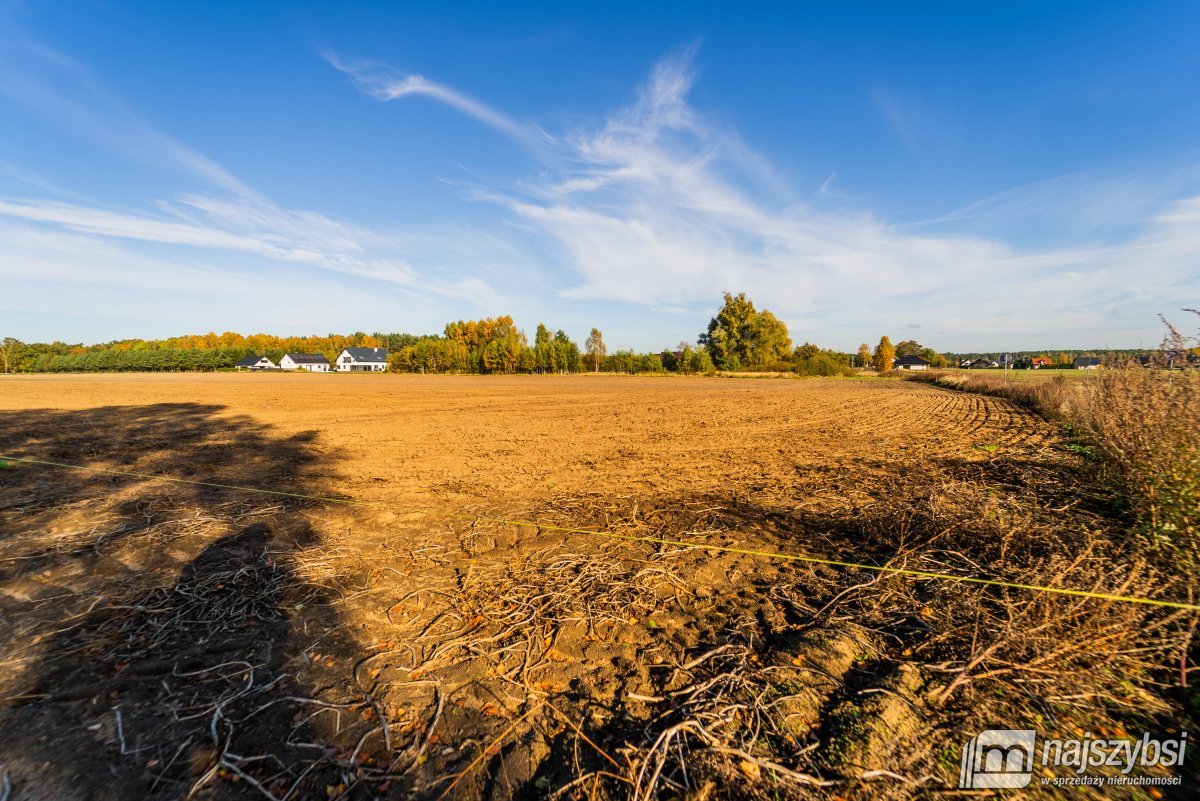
(984, 363)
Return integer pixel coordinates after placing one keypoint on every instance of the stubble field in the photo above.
(444, 624)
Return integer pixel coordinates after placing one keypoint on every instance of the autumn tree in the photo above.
(12, 351)
(806, 351)
(596, 349)
(741, 336)
(494, 344)
(884, 356)
(864, 355)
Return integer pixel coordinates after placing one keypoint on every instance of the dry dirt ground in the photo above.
(177, 640)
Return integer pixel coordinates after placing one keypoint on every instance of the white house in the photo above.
(362, 360)
(911, 363)
(312, 362)
(256, 363)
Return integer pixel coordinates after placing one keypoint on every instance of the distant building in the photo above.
(911, 363)
(1086, 363)
(312, 362)
(1040, 362)
(1178, 359)
(362, 360)
(256, 363)
(981, 364)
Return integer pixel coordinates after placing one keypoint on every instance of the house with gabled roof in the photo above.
(362, 360)
(312, 362)
(1040, 362)
(1086, 363)
(911, 363)
(256, 363)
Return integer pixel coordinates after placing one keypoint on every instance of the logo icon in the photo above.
(998, 758)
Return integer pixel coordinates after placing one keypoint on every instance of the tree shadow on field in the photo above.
(146, 627)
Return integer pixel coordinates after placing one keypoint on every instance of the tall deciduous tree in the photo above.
(770, 339)
(12, 350)
(596, 350)
(741, 336)
(864, 355)
(885, 355)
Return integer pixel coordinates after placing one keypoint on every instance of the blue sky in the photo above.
(975, 176)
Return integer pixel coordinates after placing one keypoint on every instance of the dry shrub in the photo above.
(1053, 398)
(1145, 427)
(1059, 644)
(1142, 426)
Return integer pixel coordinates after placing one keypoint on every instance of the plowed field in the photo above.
(172, 640)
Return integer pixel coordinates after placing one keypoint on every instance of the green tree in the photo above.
(649, 363)
(770, 341)
(700, 362)
(623, 361)
(741, 336)
(884, 356)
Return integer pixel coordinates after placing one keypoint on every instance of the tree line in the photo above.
(196, 352)
(493, 345)
(739, 337)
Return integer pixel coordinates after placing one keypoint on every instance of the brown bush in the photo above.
(1145, 427)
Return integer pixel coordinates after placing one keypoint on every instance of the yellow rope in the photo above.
(1103, 596)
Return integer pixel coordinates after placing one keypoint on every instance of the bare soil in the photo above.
(168, 640)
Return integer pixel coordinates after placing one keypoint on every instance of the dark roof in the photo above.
(307, 358)
(1086, 361)
(908, 361)
(368, 354)
(250, 361)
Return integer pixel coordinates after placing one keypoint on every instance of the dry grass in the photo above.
(1139, 428)
(1145, 426)
(1052, 398)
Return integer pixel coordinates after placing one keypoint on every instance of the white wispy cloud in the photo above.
(58, 281)
(384, 83)
(658, 206)
(238, 225)
(897, 117)
(228, 215)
